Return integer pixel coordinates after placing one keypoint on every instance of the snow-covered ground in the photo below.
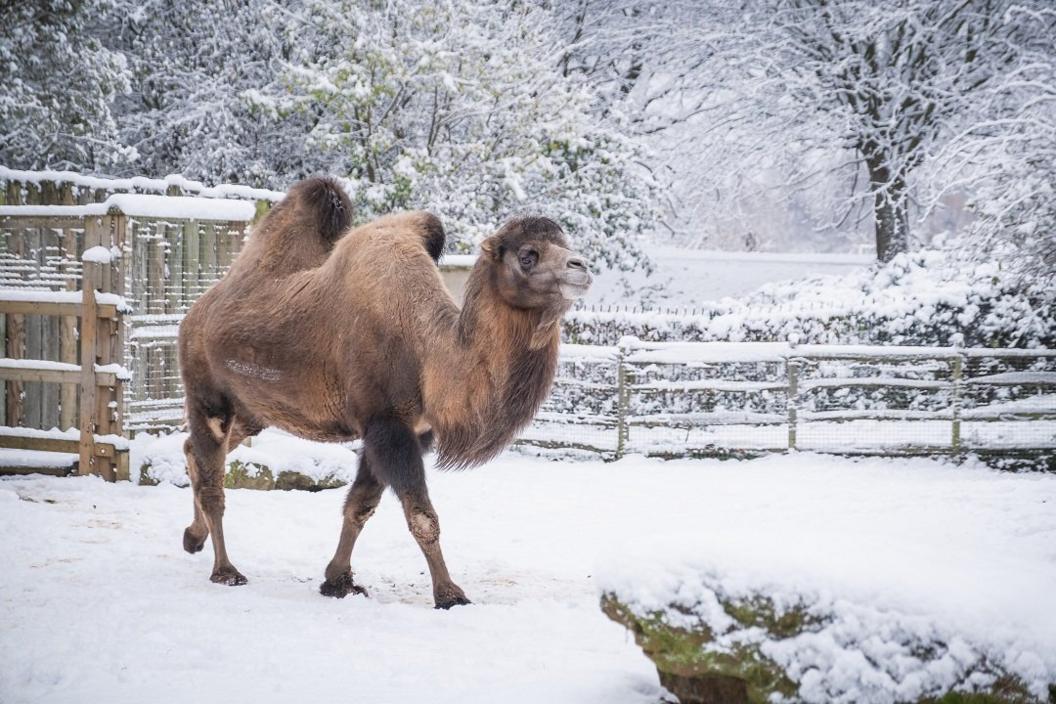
(689, 277)
(99, 603)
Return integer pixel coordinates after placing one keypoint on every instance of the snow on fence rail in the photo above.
(722, 398)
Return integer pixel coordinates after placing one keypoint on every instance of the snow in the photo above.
(894, 552)
(147, 206)
(890, 546)
(688, 277)
(33, 458)
(718, 352)
(141, 183)
(98, 254)
(47, 365)
(118, 441)
(44, 296)
(458, 261)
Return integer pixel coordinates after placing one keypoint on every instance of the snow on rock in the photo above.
(272, 449)
(893, 548)
(911, 578)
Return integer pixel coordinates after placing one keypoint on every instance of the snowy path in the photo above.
(99, 603)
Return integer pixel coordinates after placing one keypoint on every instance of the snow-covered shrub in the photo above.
(456, 107)
(928, 297)
(59, 82)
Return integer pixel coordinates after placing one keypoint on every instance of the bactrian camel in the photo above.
(334, 333)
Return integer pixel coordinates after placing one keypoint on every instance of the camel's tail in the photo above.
(327, 203)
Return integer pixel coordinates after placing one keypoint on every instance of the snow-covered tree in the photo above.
(1005, 156)
(828, 110)
(193, 64)
(57, 85)
(458, 106)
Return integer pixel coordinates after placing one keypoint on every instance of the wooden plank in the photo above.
(103, 310)
(68, 355)
(88, 386)
(51, 258)
(32, 391)
(38, 221)
(15, 336)
(53, 376)
(58, 471)
(21, 442)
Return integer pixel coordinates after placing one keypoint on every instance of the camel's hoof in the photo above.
(452, 596)
(341, 587)
(229, 576)
(192, 543)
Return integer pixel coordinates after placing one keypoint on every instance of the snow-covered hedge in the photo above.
(924, 298)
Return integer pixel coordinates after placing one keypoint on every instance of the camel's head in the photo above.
(532, 266)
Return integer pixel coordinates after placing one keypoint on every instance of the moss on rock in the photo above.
(693, 668)
(242, 475)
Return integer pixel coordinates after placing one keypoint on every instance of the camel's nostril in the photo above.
(577, 263)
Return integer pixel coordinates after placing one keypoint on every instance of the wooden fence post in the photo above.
(89, 390)
(68, 354)
(792, 399)
(957, 375)
(623, 395)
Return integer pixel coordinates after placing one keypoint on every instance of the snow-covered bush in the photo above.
(456, 107)
(58, 85)
(923, 298)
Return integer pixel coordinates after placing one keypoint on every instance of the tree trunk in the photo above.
(890, 210)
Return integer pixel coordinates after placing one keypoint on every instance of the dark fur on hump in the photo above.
(328, 203)
(434, 237)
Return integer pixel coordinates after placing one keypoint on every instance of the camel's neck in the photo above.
(501, 368)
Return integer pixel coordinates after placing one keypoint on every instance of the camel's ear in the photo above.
(492, 248)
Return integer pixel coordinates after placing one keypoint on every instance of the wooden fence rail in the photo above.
(95, 380)
(648, 379)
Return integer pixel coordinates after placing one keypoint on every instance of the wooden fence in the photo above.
(722, 399)
(159, 253)
(90, 380)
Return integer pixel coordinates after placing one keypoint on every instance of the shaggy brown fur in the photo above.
(333, 335)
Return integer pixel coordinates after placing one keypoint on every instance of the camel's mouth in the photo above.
(575, 284)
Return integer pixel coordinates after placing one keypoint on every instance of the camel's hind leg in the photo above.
(362, 500)
(206, 449)
(395, 456)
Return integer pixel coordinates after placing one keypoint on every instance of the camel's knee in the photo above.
(425, 527)
(360, 512)
(211, 499)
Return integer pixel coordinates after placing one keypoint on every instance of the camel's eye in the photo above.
(529, 258)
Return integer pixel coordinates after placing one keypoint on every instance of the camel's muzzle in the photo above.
(576, 278)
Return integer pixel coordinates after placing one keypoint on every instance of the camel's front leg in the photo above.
(206, 451)
(362, 500)
(394, 453)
